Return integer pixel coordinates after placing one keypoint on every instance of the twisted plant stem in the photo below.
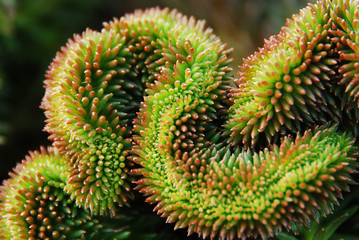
(144, 100)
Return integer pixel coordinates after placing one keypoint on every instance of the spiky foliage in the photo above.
(232, 194)
(33, 204)
(87, 117)
(303, 77)
(94, 88)
(245, 194)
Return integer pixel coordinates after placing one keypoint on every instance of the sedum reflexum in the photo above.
(151, 99)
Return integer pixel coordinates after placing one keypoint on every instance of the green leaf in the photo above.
(344, 236)
(286, 236)
(328, 229)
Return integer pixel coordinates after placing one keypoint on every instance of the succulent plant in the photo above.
(304, 76)
(33, 204)
(86, 111)
(93, 90)
(151, 99)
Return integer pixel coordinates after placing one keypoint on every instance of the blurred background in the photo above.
(32, 31)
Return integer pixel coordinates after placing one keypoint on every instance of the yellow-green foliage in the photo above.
(150, 99)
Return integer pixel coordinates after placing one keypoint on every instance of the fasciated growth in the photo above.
(148, 95)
